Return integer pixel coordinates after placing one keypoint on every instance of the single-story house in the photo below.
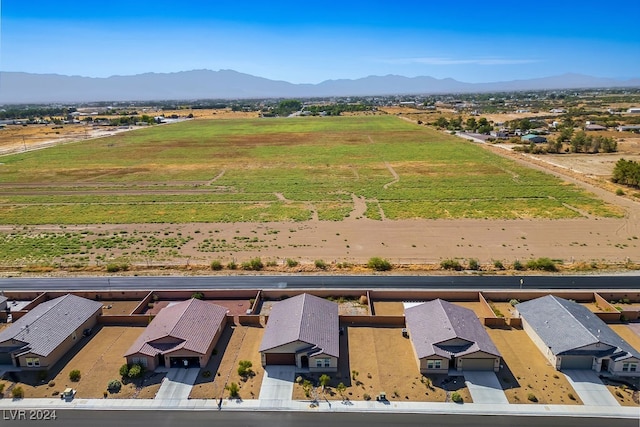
(594, 127)
(447, 336)
(572, 337)
(303, 331)
(44, 334)
(536, 139)
(634, 110)
(628, 128)
(182, 334)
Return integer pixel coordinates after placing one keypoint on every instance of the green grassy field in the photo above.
(278, 170)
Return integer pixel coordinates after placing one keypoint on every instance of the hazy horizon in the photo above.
(301, 43)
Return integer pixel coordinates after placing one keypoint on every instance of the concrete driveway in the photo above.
(277, 386)
(589, 387)
(484, 387)
(178, 383)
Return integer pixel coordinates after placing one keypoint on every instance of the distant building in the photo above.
(629, 128)
(536, 139)
(634, 110)
(594, 127)
(500, 134)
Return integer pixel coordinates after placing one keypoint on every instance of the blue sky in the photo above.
(308, 42)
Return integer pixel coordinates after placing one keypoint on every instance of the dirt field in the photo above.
(118, 307)
(525, 370)
(98, 358)
(237, 343)
(388, 308)
(393, 370)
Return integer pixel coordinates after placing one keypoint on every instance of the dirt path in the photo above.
(396, 177)
(217, 177)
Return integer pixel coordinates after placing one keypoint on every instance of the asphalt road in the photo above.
(302, 281)
(83, 418)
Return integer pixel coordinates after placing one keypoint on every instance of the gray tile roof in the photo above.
(565, 326)
(435, 322)
(305, 318)
(46, 326)
(192, 324)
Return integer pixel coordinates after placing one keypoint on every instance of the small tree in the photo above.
(124, 371)
(197, 295)
(17, 392)
(114, 386)
(233, 389)
(135, 371)
(341, 388)
(75, 375)
(244, 368)
(324, 380)
(306, 386)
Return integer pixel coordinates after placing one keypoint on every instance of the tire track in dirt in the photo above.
(393, 173)
(217, 177)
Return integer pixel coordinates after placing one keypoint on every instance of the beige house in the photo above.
(303, 331)
(42, 336)
(182, 334)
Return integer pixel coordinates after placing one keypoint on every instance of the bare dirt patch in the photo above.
(237, 343)
(118, 307)
(626, 396)
(525, 370)
(388, 308)
(628, 334)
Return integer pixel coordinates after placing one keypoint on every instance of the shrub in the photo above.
(545, 264)
(114, 267)
(498, 265)
(517, 265)
(206, 374)
(324, 380)
(571, 396)
(514, 302)
(320, 264)
(619, 394)
(341, 388)
(52, 383)
(254, 264)
(233, 389)
(124, 371)
(216, 265)
(366, 396)
(74, 375)
(306, 386)
(114, 386)
(1, 388)
(135, 371)
(272, 263)
(532, 397)
(232, 265)
(455, 396)
(379, 264)
(197, 295)
(292, 262)
(363, 300)
(17, 392)
(244, 368)
(450, 264)
(619, 192)
(474, 264)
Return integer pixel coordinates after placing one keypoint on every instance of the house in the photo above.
(447, 336)
(571, 337)
(634, 110)
(3, 302)
(182, 334)
(44, 334)
(629, 128)
(594, 127)
(303, 331)
(531, 138)
(500, 134)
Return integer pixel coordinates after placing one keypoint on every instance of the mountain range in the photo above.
(21, 88)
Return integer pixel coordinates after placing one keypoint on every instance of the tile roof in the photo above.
(565, 326)
(192, 324)
(305, 318)
(46, 326)
(435, 322)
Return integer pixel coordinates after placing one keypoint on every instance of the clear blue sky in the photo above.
(311, 41)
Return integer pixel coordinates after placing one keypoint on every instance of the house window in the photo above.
(629, 367)
(434, 364)
(33, 361)
(323, 362)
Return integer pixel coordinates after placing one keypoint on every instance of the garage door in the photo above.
(281, 359)
(576, 362)
(477, 364)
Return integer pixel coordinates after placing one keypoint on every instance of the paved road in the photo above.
(589, 387)
(171, 418)
(301, 281)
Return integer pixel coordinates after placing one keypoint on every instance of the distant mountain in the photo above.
(17, 87)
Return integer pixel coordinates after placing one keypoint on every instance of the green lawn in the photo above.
(166, 174)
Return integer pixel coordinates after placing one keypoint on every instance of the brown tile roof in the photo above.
(46, 326)
(191, 325)
(305, 318)
(435, 322)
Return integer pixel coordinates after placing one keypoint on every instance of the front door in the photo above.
(605, 365)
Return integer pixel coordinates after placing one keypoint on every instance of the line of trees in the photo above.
(583, 143)
(627, 172)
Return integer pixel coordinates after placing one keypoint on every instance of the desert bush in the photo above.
(320, 264)
(306, 386)
(455, 396)
(517, 265)
(532, 397)
(545, 264)
(514, 302)
(114, 386)
(379, 264)
(366, 396)
(52, 383)
(571, 396)
(254, 264)
(233, 389)
(232, 265)
(272, 263)
(450, 264)
(619, 394)
(135, 371)
(474, 264)
(197, 295)
(1, 388)
(341, 388)
(619, 192)
(216, 265)
(17, 392)
(124, 371)
(75, 375)
(244, 368)
(114, 267)
(292, 262)
(498, 265)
